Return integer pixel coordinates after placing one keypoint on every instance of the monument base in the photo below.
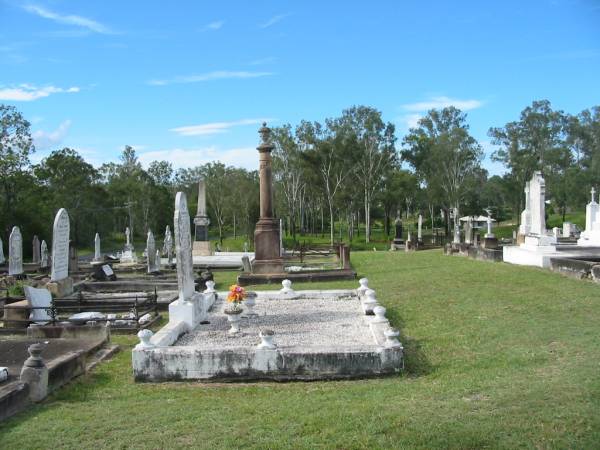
(490, 243)
(269, 266)
(191, 312)
(60, 288)
(201, 248)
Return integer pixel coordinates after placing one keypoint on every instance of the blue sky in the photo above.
(189, 82)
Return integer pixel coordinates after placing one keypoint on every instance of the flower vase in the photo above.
(234, 316)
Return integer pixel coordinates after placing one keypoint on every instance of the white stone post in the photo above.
(15, 252)
(35, 374)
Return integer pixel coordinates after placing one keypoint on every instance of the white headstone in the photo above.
(183, 248)
(489, 233)
(44, 255)
(38, 298)
(36, 250)
(525, 226)
(2, 260)
(420, 228)
(157, 261)
(60, 246)
(591, 235)
(151, 252)
(15, 252)
(537, 194)
(168, 244)
(97, 251)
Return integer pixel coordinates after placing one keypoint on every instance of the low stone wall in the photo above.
(576, 268)
(485, 254)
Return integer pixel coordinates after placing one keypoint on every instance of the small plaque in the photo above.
(107, 270)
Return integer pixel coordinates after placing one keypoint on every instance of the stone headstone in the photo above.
(489, 233)
(151, 252)
(201, 246)
(2, 259)
(60, 246)
(537, 194)
(246, 264)
(39, 298)
(44, 255)
(591, 235)
(168, 244)
(36, 250)
(420, 229)
(15, 252)
(525, 226)
(469, 230)
(73, 258)
(183, 248)
(97, 251)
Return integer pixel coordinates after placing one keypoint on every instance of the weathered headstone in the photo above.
(44, 263)
(97, 251)
(168, 245)
(469, 230)
(2, 259)
(15, 252)
(525, 226)
(73, 258)
(151, 253)
(128, 256)
(190, 306)
(36, 250)
(40, 300)
(60, 283)
(456, 239)
(420, 229)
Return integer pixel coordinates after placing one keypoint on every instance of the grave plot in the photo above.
(279, 335)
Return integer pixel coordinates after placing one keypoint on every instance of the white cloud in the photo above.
(27, 92)
(215, 127)
(246, 157)
(261, 61)
(44, 140)
(409, 120)
(442, 102)
(68, 19)
(273, 20)
(216, 25)
(216, 75)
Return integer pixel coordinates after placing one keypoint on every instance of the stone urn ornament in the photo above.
(234, 309)
(267, 340)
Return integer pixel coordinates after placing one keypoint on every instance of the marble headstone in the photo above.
(2, 260)
(38, 298)
(420, 229)
(60, 246)
(15, 252)
(151, 252)
(168, 244)
(183, 248)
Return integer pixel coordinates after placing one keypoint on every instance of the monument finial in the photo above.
(265, 133)
(593, 192)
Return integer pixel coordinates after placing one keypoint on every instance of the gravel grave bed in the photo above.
(300, 322)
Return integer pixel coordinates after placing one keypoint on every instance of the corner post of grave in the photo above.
(35, 374)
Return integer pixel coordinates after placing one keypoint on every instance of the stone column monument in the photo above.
(266, 234)
(201, 222)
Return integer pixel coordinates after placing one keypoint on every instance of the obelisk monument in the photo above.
(266, 234)
(201, 245)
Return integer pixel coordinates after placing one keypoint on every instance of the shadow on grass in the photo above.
(416, 363)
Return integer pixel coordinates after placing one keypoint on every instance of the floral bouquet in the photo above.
(236, 296)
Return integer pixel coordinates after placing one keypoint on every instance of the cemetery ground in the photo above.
(496, 356)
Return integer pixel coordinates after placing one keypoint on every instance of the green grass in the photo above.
(497, 356)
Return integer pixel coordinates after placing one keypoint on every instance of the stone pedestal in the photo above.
(190, 311)
(266, 243)
(490, 242)
(201, 248)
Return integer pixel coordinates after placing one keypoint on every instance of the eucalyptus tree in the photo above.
(443, 153)
(369, 144)
(16, 145)
(537, 141)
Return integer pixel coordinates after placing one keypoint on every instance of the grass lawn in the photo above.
(496, 356)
